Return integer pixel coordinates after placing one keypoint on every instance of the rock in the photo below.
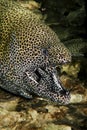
(71, 69)
(57, 127)
(40, 114)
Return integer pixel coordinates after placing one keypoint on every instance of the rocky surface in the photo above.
(17, 113)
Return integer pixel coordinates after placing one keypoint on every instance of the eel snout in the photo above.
(55, 90)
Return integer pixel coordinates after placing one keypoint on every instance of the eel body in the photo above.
(29, 53)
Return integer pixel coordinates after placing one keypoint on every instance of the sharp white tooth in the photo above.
(56, 81)
(31, 78)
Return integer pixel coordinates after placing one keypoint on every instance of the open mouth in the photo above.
(57, 91)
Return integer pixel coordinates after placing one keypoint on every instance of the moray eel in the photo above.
(29, 53)
(77, 47)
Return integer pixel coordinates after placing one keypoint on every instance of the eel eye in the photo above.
(45, 51)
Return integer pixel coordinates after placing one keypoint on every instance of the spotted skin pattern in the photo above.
(29, 52)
